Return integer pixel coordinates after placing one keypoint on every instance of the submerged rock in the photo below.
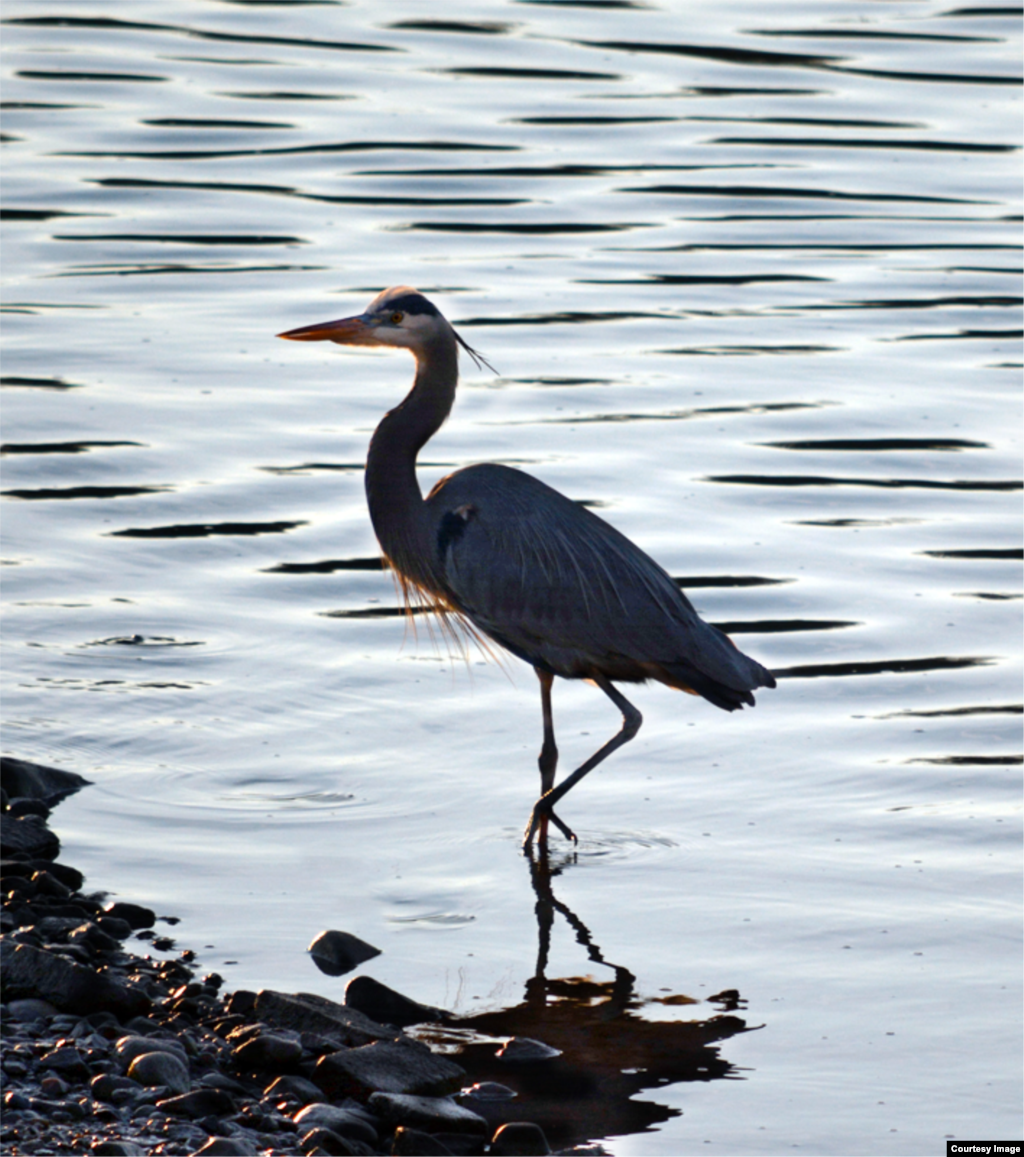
(25, 780)
(336, 953)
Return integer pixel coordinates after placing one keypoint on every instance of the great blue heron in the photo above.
(529, 568)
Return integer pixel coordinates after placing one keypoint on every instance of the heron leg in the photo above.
(548, 761)
(542, 809)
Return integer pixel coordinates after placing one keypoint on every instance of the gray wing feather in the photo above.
(562, 588)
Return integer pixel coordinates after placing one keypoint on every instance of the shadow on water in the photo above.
(609, 1052)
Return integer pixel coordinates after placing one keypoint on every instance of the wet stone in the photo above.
(520, 1139)
(160, 1068)
(134, 915)
(268, 1051)
(387, 1006)
(130, 1047)
(294, 1088)
(117, 1149)
(321, 1140)
(414, 1143)
(198, 1103)
(305, 1012)
(523, 1049)
(225, 1147)
(31, 1009)
(336, 953)
(66, 1060)
(387, 1066)
(430, 1114)
(350, 1123)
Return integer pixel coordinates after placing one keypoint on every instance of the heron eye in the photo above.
(396, 317)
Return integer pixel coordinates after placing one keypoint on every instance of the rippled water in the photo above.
(751, 279)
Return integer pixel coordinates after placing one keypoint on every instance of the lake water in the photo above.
(751, 281)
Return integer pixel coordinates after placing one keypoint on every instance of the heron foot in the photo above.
(542, 812)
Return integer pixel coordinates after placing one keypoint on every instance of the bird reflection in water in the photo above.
(609, 1053)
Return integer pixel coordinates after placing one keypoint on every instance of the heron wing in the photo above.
(563, 589)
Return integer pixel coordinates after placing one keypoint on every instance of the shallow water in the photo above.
(751, 279)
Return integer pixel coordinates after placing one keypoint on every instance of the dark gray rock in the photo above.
(67, 1061)
(105, 1085)
(225, 1147)
(130, 1047)
(413, 1143)
(389, 1067)
(267, 1051)
(134, 915)
(430, 1114)
(387, 1006)
(526, 1050)
(294, 1088)
(320, 1141)
(28, 835)
(34, 972)
(31, 1009)
(520, 1139)
(345, 1122)
(35, 781)
(336, 953)
(305, 1012)
(92, 936)
(198, 1103)
(160, 1068)
(117, 1149)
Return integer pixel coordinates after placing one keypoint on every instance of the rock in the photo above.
(34, 781)
(305, 1012)
(489, 1091)
(295, 1088)
(31, 1009)
(321, 1140)
(345, 1122)
(241, 1003)
(267, 1051)
(383, 1004)
(68, 1061)
(117, 1149)
(134, 915)
(34, 972)
(430, 1114)
(160, 1068)
(339, 952)
(28, 835)
(225, 1147)
(29, 807)
(520, 1139)
(47, 884)
(130, 1047)
(523, 1049)
(112, 926)
(413, 1143)
(461, 1144)
(387, 1067)
(200, 1102)
(92, 936)
(105, 1085)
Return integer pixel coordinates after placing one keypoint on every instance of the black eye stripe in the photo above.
(412, 303)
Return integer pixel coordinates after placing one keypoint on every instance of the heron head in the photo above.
(400, 316)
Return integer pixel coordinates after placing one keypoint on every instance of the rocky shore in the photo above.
(110, 1051)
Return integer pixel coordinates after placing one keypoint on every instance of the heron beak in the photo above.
(347, 331)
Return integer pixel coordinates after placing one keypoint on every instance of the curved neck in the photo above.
(397, 509)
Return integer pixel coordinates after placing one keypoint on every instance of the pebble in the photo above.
(160, 1069)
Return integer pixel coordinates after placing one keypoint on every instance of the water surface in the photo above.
(750, 277)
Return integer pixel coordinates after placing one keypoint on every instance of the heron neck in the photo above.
(397, 509)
